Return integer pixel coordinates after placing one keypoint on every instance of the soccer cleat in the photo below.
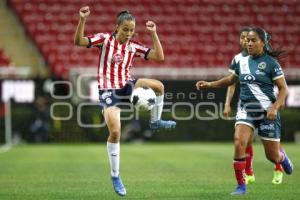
(287, 165)
(239, 190)
(161, 124)
(118, 186)
(277, 177)
(249, 179)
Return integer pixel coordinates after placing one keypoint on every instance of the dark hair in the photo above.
(245, 29)
(278, 54)
(124, 15)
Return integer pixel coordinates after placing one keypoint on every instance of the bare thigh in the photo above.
(155, 85)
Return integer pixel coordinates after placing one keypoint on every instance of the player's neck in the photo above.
(244, 52)
(258, 55)
(119, 40)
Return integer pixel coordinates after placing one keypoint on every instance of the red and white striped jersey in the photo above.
(115, 60)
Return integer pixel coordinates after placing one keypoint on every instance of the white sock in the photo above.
(157, 109)
(113, 150)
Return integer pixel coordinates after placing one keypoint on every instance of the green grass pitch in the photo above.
(149, 171)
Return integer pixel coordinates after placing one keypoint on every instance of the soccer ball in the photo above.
(143, 98)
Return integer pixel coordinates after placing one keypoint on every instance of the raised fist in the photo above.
(150, 25)
(84, 12)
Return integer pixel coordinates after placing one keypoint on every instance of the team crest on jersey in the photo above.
(117, 58)
(129, 48)
(262, 65)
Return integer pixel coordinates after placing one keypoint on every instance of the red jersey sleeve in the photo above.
(141, 50)
(97, 39)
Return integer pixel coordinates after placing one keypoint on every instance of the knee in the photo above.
(160, 88)
(239, 143)
(114, 135)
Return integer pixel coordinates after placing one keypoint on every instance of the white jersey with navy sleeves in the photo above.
(236, 59)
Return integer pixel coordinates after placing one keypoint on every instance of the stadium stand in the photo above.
(4, 59)
(194, 33)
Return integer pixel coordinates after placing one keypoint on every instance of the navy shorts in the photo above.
(116, 97)
(266, 129)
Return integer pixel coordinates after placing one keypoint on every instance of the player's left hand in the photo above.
(150, 25)
(272, 113)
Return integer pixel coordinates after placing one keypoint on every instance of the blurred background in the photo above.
(48, 86)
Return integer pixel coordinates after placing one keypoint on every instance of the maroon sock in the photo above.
(278, 167)
(239, 169)
(249, 159)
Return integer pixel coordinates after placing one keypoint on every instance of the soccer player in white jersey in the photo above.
(258, 105)
(116, 53)
(250, 178)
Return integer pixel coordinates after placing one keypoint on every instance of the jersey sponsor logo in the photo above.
(262, 65)
(249, 77)
(117, 58)
(258, 72)
(268, 127)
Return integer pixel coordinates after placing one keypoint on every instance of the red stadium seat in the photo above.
(193, 33)
(4, 59)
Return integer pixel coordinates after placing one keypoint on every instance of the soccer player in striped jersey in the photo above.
(250, 178)
(116, 54)
(258, 106)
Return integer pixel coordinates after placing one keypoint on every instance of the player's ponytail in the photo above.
(124, 15)
(278, 54)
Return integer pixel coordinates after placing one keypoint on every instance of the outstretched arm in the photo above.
(157, 53)
(79, 38)
(226, 81)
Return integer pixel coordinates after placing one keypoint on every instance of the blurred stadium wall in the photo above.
(51, 83)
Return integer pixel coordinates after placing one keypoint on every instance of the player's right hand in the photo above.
(84, 12)
(202, 84)
(226, 111)
(272, 113)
